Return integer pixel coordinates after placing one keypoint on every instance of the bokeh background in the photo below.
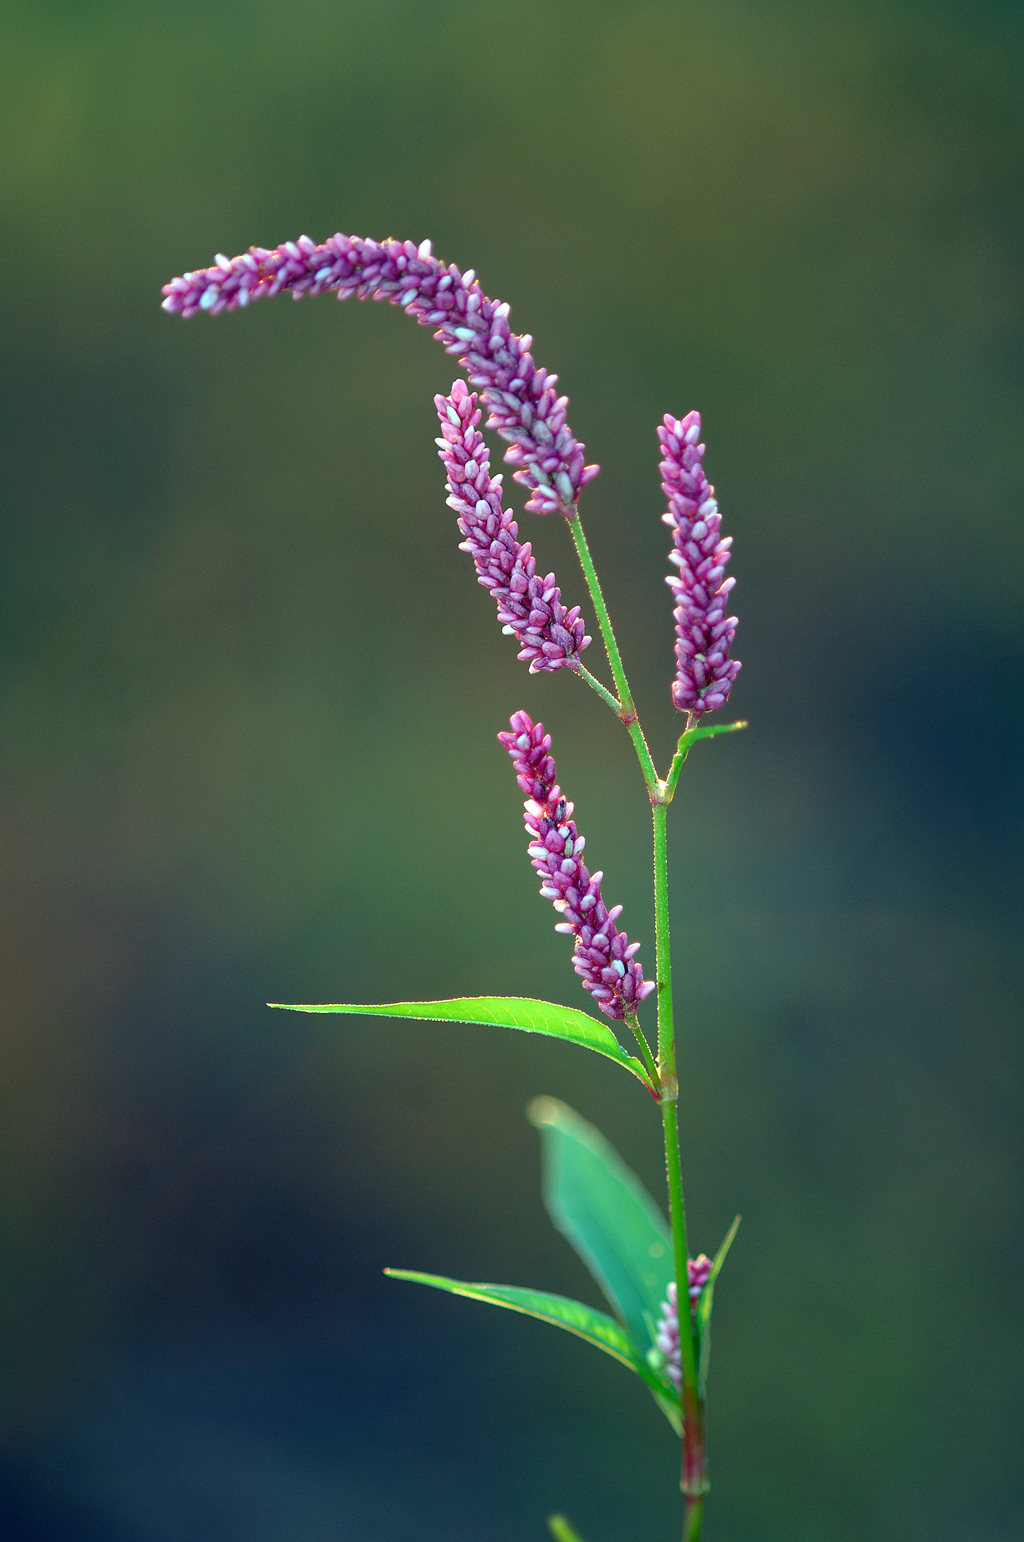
(249, 699)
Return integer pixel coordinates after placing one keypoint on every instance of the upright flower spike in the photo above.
(667, 1339)
(520, 397)
(604, 956)
(529, 608)
(704, 632)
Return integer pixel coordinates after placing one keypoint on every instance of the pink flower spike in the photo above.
(704, 632)
(519, 396)
(603, 957)
(529, 608)
(667, 1337)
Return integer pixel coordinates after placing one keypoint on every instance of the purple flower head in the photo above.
(521, 398)
(603, 957)
(704, 633)
(529, 608)
(667, 1339)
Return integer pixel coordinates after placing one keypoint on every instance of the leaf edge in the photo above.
(403, 1009)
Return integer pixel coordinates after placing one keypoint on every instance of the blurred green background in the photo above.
(249, 699)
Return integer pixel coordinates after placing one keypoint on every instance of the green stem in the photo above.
(663, 954)
(645, 1051)
(645, 758)
(682, 750)
(694, 1477)
(623, 708)
(604, 621)
(677, 1215)
(694, 1516)
(602, 690)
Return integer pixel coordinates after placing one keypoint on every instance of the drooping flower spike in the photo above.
(704, 632)
(524, 408)
(529, 608)
(698, 1272)
(604, 956)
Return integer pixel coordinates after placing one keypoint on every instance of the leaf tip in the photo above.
(543, 1111)
(561, 1530)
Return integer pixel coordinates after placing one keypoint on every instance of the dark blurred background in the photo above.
(249, 699)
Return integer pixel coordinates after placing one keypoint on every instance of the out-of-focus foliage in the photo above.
(239, 645)
(606, 1214)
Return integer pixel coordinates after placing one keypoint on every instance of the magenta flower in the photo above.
(704, 633)
(604, 956)
(521, 398)
(529, 608)
(667, 1339)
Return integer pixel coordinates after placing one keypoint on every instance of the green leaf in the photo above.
(561, 1530)
(670, 1406)
(595, 1328)
(690, 736)
(704, 1305)
(546, 1017)
(709, 732)
(606, 1214)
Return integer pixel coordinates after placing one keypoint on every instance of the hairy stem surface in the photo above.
(604, 621)
(645, 1050)
(602, 690)
(624, 708)
(694, 1475)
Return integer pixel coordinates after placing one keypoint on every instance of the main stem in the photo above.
(694, 1477)
(694, 1481)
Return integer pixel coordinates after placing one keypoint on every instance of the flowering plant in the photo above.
(641, 1264)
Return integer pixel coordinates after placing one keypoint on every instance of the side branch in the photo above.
(623, 708)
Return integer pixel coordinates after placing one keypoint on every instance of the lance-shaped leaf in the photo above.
(606, 1214)
(530, 1016)
(704, 1305)
(595, 1328)
(709, 731)
(691, 735)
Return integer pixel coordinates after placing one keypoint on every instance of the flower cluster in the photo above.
(529, 608)
(603, 957)
(520, 397)
(704, 633)
(698, 1270)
